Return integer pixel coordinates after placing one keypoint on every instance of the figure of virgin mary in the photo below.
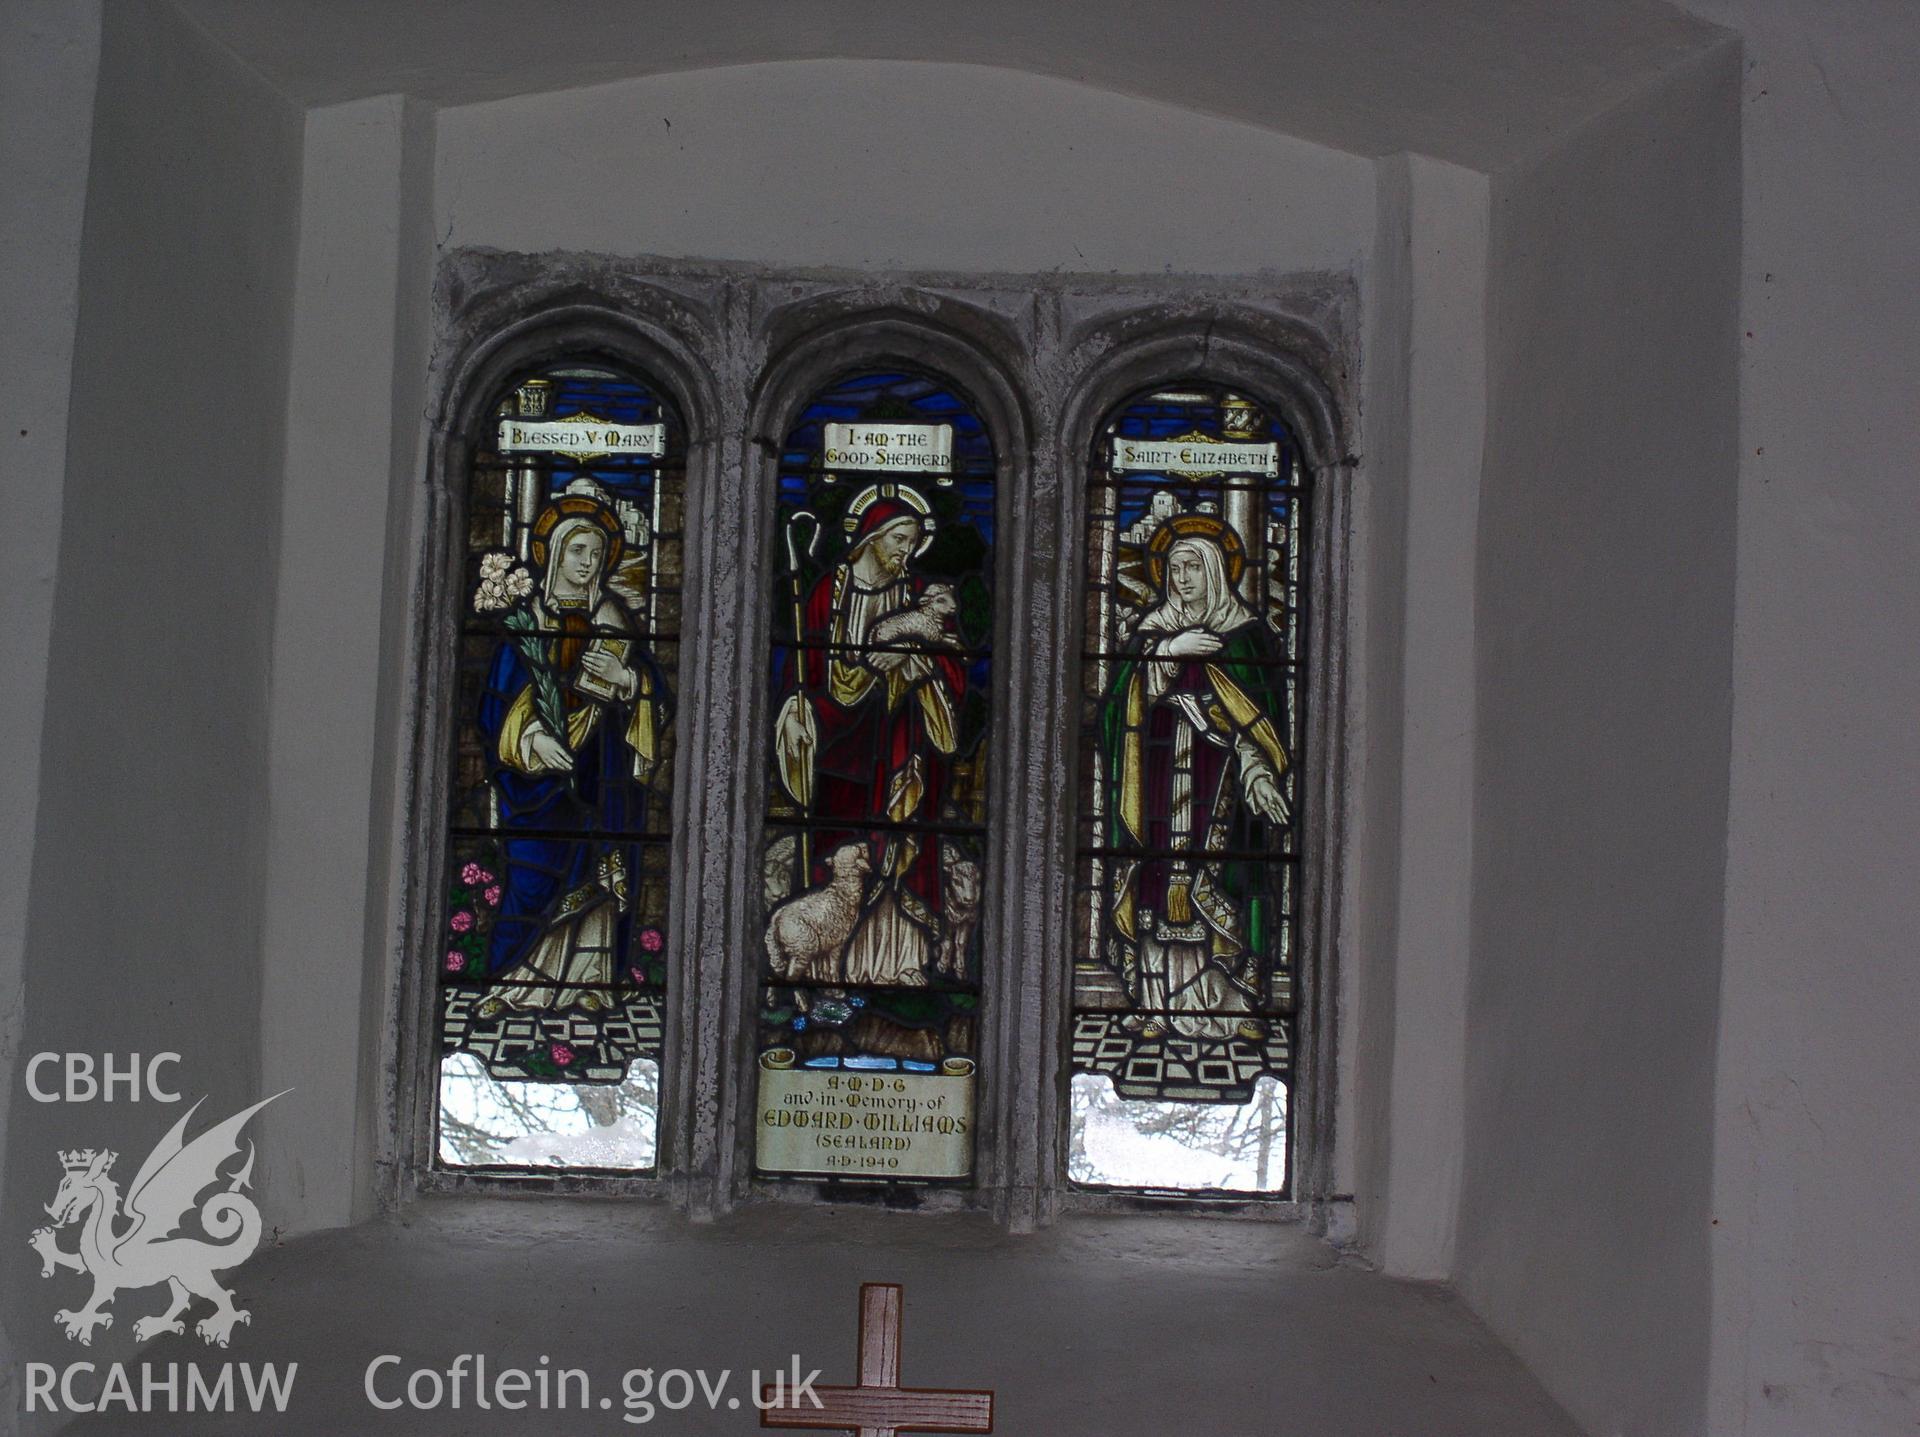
(572, 716)
(1190, 728)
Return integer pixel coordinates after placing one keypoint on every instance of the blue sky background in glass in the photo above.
(849, 400)
(1167, 419)
(617, 401)
(932, 402)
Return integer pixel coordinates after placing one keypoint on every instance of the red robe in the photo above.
(870, 727)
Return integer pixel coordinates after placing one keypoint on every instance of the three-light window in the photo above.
(880, 1020)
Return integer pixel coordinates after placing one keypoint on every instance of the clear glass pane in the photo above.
(1187, 1147)
(489, 1122)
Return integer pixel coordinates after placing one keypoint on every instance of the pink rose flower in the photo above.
(637, 975)
(473, 873)
(456, 960)
(461, 921)
(561, 1054)
(492, 895)
(652, 940)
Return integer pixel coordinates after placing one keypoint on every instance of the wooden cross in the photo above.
(880, 1406)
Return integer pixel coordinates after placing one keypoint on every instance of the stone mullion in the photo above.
(717, 842)
(1034, 800)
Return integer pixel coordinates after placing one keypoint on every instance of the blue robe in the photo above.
(556, 875)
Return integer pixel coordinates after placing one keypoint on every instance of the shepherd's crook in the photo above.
(799, 658)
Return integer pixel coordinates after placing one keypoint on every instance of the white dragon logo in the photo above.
(146, 1252)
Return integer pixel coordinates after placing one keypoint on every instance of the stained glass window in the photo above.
(553, 962)
(882, 615)
(1189, 796)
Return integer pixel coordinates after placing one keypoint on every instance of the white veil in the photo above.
(1218, 609)
(556, 546)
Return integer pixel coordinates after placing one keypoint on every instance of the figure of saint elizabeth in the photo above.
(1190, 731)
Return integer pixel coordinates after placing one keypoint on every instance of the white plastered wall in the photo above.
(1604, 612)
(889, 164)
(1414, 748)
(355, 448)
(44, 150)
(1816, 1322)
(142, 916)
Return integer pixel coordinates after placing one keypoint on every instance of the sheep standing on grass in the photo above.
(807, 935)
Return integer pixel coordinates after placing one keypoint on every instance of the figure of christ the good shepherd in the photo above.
(868, 734)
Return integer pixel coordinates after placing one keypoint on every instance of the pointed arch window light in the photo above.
(553, 961)
(876, 825)
(1189, 801)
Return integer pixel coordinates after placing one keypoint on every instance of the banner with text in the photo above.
(1194, 457)
(909, 448)
(581, 437)
(855, 1123)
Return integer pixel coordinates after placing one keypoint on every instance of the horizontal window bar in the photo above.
(1257, 855)
(502, 979)
(876, 825)
(787, 645)
(572, 835)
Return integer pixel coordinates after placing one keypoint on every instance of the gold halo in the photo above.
(1194, 526)
(571, 506)
(907, 495)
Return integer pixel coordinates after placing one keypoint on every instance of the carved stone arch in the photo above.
(812, 341)
(1285, 362)
(663, 335)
